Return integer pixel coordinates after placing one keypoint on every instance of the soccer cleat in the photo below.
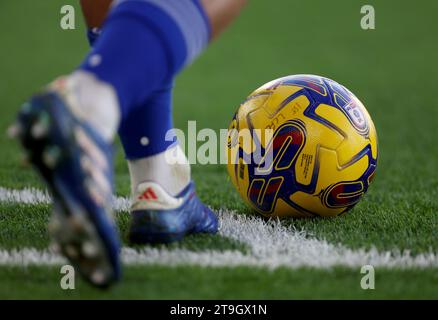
(158, 217)
(76, 164)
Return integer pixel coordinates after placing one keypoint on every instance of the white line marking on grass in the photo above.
(35, 196)
(271, 245)
(24, 196)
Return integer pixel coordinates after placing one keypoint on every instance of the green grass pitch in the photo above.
(392, 69)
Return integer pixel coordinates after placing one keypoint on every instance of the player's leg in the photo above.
(143, 138)
(153, 177)
(165, 207)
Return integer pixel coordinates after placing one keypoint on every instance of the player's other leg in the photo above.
(67, 135)
(74, 157)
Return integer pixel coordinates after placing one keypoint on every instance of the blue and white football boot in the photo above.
(76, 164)
(158, 217)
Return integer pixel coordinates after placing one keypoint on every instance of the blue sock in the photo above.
(143, 45)
(143, 132)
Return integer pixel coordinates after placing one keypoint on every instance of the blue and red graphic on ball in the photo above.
(285, 146)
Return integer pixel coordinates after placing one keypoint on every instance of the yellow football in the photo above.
(302, 146)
